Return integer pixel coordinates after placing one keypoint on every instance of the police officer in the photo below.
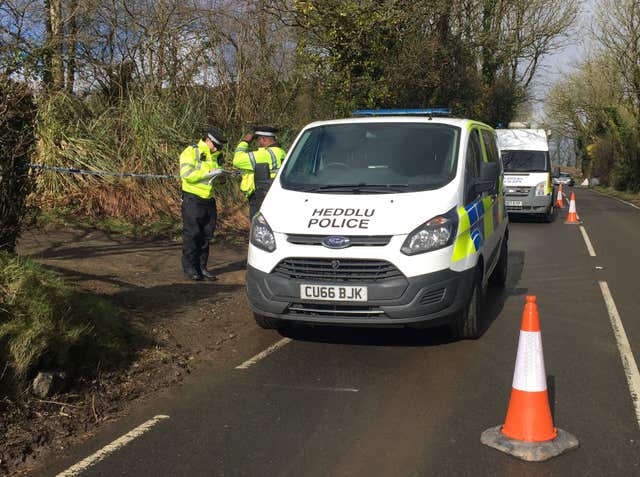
(199, 165)
(268, 152)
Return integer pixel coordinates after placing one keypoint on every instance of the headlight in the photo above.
(437, 233)
(261, 234)
(541, 189)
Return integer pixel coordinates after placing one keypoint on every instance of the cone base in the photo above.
(578, 222)
(529, 451)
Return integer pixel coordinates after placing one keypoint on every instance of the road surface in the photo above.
(351, 402)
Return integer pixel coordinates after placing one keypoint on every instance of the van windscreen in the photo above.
(373, 158)
(526, 161)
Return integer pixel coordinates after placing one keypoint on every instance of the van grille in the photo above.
(356, 240)
(337, 270)
(351, 311)
(433, 297)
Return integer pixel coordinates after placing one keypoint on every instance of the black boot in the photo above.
(208, 275)
(193, 275)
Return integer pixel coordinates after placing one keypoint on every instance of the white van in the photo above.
(527, 172)
(392, 219)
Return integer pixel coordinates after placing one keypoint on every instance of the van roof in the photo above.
(522, 139)
(461, 123)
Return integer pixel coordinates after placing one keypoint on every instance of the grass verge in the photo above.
(633, 197)
(165, 226)
(46, 324)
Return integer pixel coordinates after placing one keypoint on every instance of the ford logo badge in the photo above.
(335, 241)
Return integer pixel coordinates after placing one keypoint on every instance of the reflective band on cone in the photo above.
(528, 432)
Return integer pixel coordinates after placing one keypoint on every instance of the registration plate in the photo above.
(333, 293)
(513, 203)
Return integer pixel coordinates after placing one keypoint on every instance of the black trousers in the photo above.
(255, 201)
(199, 217)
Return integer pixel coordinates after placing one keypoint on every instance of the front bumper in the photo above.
(531, 204)
(423, 301)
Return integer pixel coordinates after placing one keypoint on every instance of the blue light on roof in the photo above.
(403, 112)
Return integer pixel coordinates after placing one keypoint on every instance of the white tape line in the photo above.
(263, 354)
(626, 355)
(111, 448)
(590, 248)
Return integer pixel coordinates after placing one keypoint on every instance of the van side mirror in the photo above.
(556, 172)
(489, 173)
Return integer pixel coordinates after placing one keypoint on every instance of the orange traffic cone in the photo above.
(528, 432)
(560, 199)
(573, 218)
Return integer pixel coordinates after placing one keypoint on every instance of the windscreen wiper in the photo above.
(358, 188)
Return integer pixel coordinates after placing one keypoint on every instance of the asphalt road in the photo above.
(403, 403)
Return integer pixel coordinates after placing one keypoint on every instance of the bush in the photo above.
(17, 115)
(46, 324)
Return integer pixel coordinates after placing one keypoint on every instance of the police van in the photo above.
(527, 171)
(389, 218)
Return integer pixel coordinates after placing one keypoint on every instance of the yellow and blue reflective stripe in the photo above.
(478, 221)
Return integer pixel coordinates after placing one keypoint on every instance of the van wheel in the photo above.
(466, 324)
(499, 275)
(548, 217)
(267, 323)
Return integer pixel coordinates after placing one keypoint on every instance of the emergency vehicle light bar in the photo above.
(403, 112)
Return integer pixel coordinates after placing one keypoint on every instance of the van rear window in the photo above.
(525, 161)
(373, 158)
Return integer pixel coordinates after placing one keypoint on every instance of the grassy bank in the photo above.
(633, 197)
(45, 324)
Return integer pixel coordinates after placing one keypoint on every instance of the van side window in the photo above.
(491, 147)
(472, 163)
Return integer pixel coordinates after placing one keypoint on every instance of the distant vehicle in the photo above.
(528, 188)
(564, 178)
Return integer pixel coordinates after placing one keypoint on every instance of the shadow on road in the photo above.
(495, 299)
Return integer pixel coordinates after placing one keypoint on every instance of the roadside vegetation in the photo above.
(46, 325)
(597, 106)
(632, 197)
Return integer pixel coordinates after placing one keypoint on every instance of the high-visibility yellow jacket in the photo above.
(246, 161)
(195, 162)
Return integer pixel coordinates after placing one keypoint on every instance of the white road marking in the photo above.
(619, 200)
(626, 355)
(263, 354)
(111, 448)
(590, 248)
(313, 388)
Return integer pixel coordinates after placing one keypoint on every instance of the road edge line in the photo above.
(120, 442)
(617, 199)
(263, 354)
(587, 242)
(624, 348)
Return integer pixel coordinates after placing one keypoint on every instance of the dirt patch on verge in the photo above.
(187, 323)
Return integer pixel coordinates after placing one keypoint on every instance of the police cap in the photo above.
(265, 131)
(216, 137)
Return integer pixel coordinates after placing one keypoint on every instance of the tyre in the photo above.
(266, 322)
(466, 324)
(499, 275)
(549, 215)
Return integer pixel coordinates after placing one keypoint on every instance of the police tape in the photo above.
(69, 170)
